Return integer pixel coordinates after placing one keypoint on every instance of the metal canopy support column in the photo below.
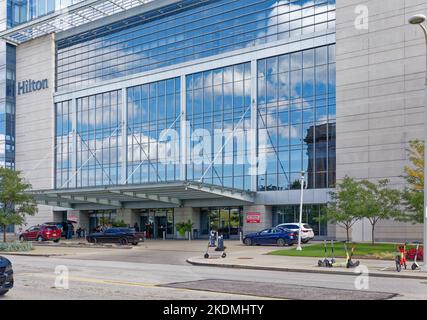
(124, 139)
(184, 130)
(254, 124)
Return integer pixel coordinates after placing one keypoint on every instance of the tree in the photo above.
(15, 202)
(379, 202)
(413, 196)
(346, 205)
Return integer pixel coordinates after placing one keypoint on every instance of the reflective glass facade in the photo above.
(297, 107)
(290, 97)
(7, 106)
(63, 143)
(214, 28)
(21, 11)
(99, 139)
(153, 108)
(218, 105)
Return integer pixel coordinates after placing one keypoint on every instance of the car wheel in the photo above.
(248, 242)
(56, 241)
(280, 242)
(134, 243)
(123, 242)
(39, 238)
(305, 241)
(2, 293)
(21, 238)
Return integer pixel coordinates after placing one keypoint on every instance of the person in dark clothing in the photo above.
(136, 227)
(65, 229)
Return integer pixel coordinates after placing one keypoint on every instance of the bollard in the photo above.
(164, 235)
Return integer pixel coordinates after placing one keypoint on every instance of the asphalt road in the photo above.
(103, 279)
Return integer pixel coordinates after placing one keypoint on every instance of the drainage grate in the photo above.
(279, 291)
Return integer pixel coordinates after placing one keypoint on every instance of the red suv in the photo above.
(41, 233)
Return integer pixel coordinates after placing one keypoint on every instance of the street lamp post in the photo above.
(299, 248)
(419, 19)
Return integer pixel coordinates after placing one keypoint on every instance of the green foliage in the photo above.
(16, 202)
(379, 202)
(413, 196)
(15, 246)
(383, 251)
(183, 227)
(119, 224)
(354, 200)
(346, 205)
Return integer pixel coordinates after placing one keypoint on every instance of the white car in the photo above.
(307, 233)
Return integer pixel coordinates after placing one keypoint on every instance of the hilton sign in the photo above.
(28, 86)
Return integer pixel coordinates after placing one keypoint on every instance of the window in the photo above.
(214, 28)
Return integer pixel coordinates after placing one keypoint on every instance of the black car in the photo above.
(6, 276)
(122, 236)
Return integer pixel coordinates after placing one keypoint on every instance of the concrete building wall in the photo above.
(35, 119)
(266, 220)
(380, 98)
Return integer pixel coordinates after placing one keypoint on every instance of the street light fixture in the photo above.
(419, 19)
(299, 248)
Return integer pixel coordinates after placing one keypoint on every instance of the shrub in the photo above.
(15, 246)
(183, 227)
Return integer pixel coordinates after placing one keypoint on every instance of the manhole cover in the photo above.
(279, 291)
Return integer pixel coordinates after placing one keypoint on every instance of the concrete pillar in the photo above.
(185, 214)
(266, 218)
(125, 215)
(84, 221)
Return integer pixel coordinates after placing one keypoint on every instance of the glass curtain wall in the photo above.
(7, 106)
(152, 109)
(296, 106)
(227, 221)
(214, 28)
(20, 11)
(218, 107)
(311, 215)
(99, 120)
(63, 144)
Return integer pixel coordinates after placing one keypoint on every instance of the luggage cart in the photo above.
(219, 249)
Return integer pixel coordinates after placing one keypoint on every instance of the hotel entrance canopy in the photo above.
(174, 194)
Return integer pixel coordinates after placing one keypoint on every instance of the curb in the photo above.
(322, 271)
(81, 246)
(32, 255)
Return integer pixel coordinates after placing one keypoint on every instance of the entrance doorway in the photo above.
(156, 221)
(103, 218)
(227, 221)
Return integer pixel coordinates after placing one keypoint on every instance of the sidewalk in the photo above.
(257, 259)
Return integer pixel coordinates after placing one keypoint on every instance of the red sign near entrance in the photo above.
(253, 217)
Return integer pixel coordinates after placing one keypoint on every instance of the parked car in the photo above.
(41, 233)
(307, 232)
(277, 236)
(6, 276)
(62, 225)
(122, 236)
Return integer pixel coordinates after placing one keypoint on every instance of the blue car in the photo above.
(273, 236)
(6, 276)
